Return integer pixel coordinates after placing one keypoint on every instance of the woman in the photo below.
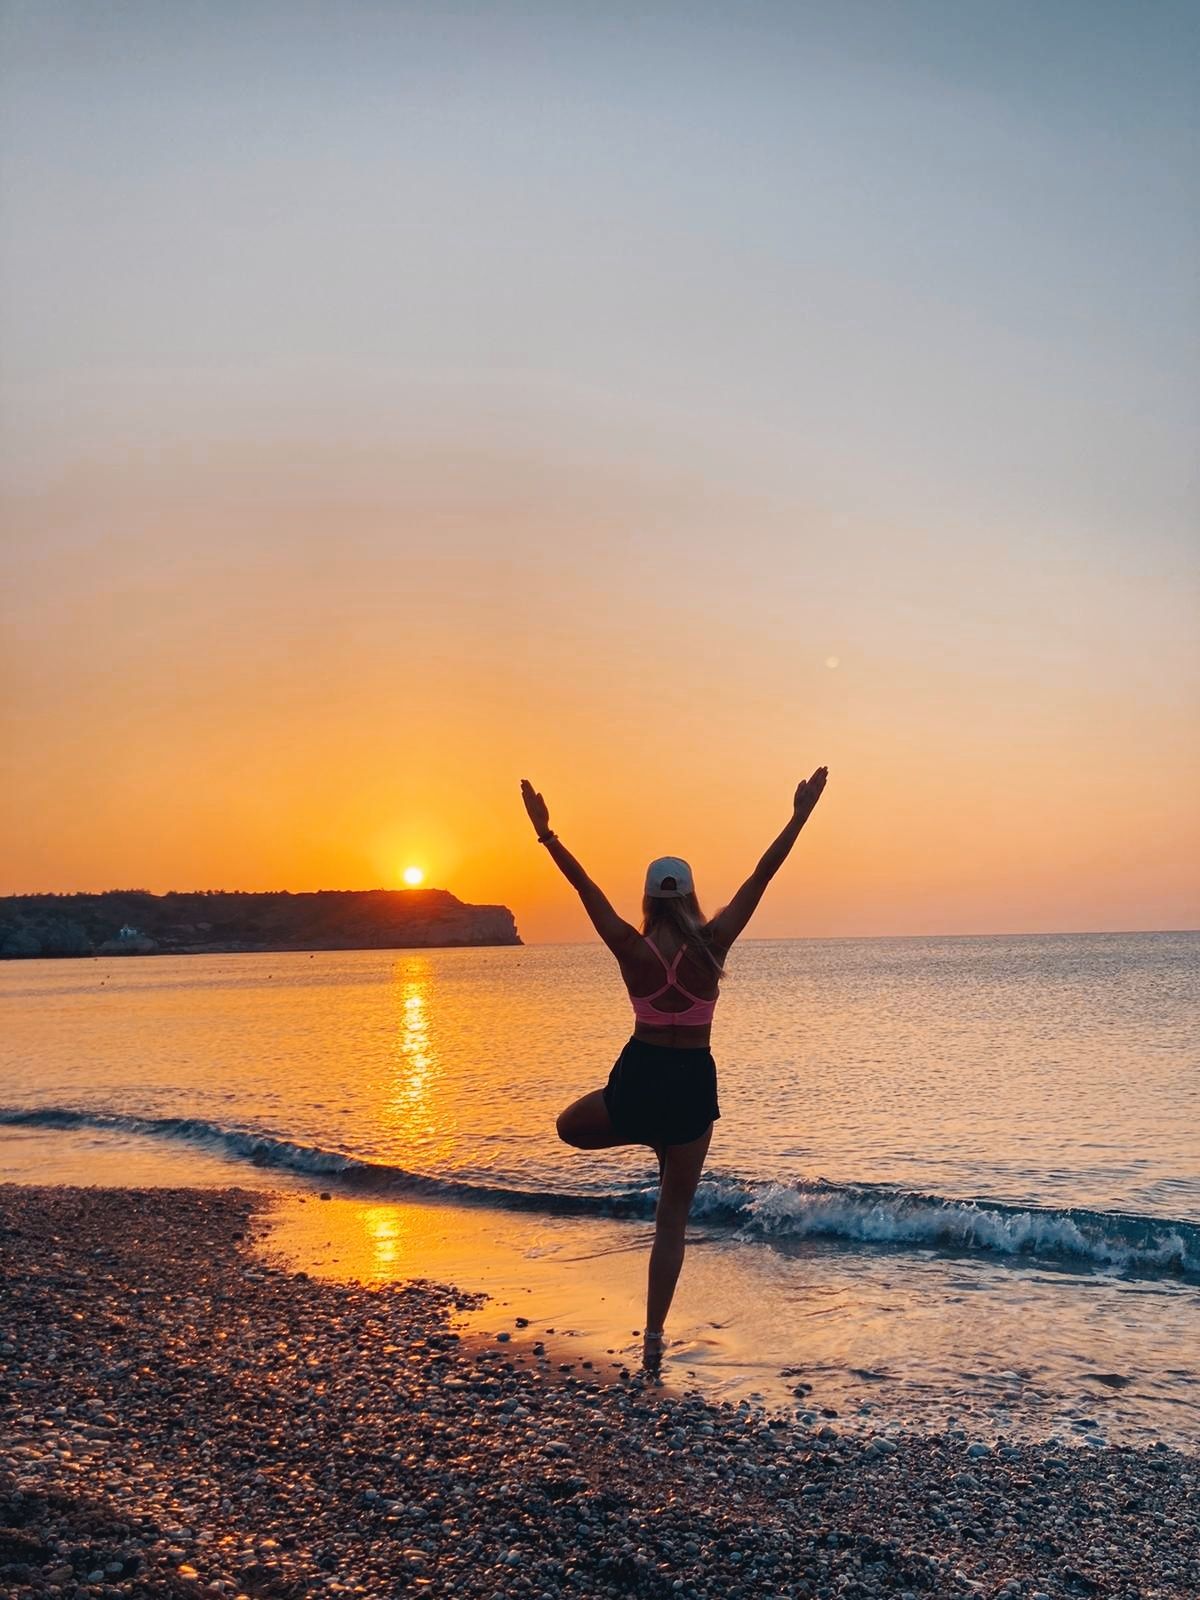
(663, 1089)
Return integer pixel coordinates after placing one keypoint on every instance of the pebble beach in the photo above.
(182, 1417)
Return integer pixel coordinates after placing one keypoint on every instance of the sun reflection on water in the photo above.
(382, 1227)
(415, 1102)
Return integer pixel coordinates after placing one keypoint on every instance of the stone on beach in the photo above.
(179, 1418)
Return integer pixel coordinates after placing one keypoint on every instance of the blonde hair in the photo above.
(683, 914)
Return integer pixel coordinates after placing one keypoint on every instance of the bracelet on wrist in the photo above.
(545, 838)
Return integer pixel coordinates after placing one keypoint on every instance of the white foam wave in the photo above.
(899, 1217)
(753, 1209)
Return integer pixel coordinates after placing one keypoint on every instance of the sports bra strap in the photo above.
(646, 1011)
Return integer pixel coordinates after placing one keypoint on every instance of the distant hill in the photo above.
(135, 922)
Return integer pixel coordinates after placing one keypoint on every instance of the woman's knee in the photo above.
(577, 1126)
(586, 1124)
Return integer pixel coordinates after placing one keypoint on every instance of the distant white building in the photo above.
(127, 932)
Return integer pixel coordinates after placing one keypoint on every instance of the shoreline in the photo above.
(233, 949)
(871, 1338)
(272, 950)
(181, 1417)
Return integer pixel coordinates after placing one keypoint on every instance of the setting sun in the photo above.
(413, 876)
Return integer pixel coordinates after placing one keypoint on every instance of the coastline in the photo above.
(235, 949)
(181, 1416)
(134, 922)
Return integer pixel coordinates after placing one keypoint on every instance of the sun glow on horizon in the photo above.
(413, 876)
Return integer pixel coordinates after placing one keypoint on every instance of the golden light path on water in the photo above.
(382, 1227)
(418, 1106)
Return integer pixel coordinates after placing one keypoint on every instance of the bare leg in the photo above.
(586, 1124)
(681, 1173)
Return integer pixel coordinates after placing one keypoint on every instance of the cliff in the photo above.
(134, 922)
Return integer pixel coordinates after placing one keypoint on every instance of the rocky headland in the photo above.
(135, 922)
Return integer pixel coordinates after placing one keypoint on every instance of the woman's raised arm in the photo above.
(620, 937)
(728, 924)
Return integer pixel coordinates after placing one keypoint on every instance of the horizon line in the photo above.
(992, 933)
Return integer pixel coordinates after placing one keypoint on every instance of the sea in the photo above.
(955, 1183)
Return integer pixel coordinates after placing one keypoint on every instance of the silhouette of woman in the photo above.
(662, 1091)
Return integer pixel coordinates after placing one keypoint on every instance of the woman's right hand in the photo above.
(808, 792)
(539, 811)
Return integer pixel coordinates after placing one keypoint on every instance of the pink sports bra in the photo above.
(698, 1015)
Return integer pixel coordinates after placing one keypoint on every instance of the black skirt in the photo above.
(655, 1095)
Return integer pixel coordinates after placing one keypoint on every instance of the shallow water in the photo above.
(969, 1165)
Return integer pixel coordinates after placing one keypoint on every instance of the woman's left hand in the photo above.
(539, 811)
(809, 791)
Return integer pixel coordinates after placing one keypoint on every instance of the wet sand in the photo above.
(870, 1341)
(178, 1416)
(578, 1288)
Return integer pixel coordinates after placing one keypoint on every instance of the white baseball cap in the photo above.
(668, 869)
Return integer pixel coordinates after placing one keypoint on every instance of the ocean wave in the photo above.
(873, 1214)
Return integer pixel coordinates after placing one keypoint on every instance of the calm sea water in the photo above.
(968, 1168)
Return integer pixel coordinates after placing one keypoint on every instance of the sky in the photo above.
(657, 402)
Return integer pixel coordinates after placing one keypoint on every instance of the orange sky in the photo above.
(365, 452)
(257, 704)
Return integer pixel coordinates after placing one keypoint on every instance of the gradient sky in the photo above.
(398, 401)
